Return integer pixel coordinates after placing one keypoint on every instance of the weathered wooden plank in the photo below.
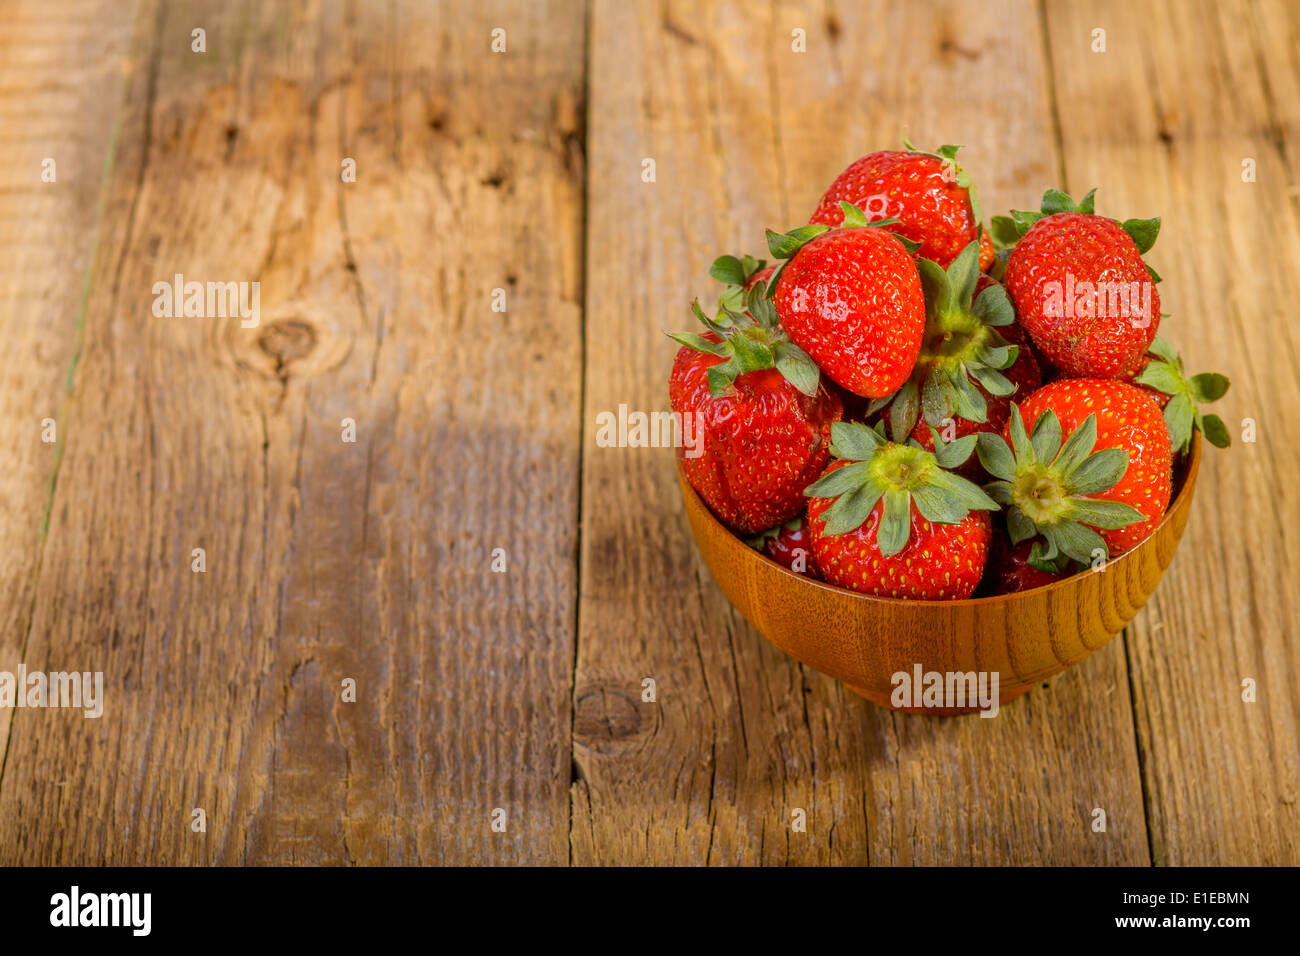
(61, 69)
(1162, 121)
(746, 133)
(326, 559)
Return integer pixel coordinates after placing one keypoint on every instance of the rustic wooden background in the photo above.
(475, 430)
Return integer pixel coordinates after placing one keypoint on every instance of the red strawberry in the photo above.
(1081, 288)
(958, 385)
(1009, 569)
(1111, 474)
(760, 414)
(789, 545)
(928, 193)
(890, 520)
(852, 299)
(1162, 377)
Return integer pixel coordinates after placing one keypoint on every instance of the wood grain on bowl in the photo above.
(864, 640)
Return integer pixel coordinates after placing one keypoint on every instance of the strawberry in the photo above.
(789, 545)
(1009, 569)
(852, 299)
(891, 520)
(928, 193)
(958, 383)
(1081, 288)
(1088, 469)
(1161, 376)
(762, 415)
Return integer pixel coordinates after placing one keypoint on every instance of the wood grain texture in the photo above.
(61, 70)
(325, 559)
(746, 134)
(475, 430)
(1162, 122)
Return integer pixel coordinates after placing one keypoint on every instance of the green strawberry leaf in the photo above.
(1020, 446)
(785, 245)
(1099, 471)
(854, 442)
(698, 342)
(995, 456)
(895, 524)
(938, 397)
(1099, 513)
(1046, 436)
(905, 411)
(971, 405)
(839, 481)
(962, 275)
(1003, 231)
(1208, 386)
(1077, 541)
(1024, 220)
(994, 382)
(1215, 431)
(992, 307)
(728, 270)
(1078, 447)
(1163, 349)
(797, 366)
(952, 454)
(1180, 416)
(940, 297)
(854, 218)
(1055, 201)
(851, 509)
(966, 492)
(1143, 231)
(1019, 527)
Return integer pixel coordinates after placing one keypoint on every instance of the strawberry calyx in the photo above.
(784, 245)
(1164, 373)
(947, 154)
(961, 347)
(735, 272)
(1045, 485)
(750, 341)
(760, 540)
(1006, 231)
(901, 474)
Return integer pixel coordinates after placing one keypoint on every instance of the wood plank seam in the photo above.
(63, 420)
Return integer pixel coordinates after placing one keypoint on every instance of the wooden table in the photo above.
(515, 178)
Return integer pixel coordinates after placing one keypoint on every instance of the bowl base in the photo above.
(882, 700)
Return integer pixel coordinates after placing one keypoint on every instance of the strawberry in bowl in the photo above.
(897, 364)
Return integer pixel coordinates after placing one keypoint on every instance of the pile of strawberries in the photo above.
(911, 406)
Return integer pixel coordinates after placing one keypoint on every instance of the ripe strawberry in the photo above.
(890, 520)
(1081, 288)
(789, 545)
(1112, 472)
(1161, 376)
(928, 193)
(852, 298)
(1009, 569)
(958, 383)
(762, 415)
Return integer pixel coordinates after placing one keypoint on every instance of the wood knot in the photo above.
(607, 715)
(286, 341)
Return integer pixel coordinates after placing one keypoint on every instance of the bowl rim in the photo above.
(1184, 492)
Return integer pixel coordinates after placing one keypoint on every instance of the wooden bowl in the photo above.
(864, 640)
